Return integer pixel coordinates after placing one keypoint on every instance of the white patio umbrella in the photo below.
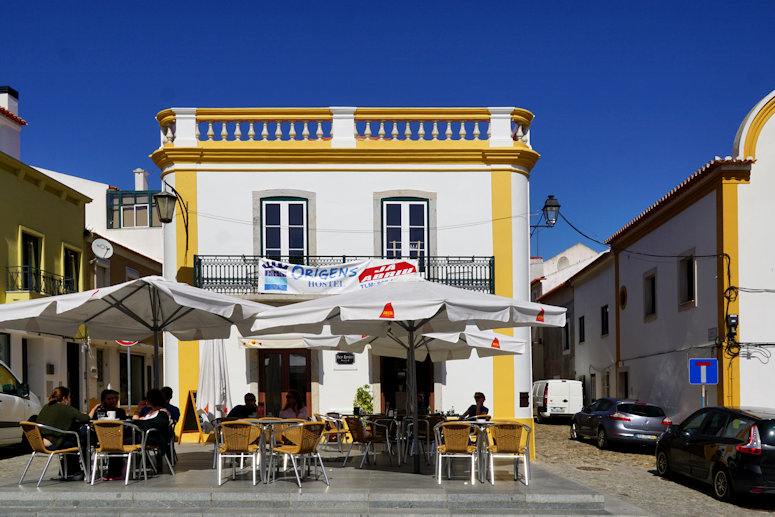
(403, 311)
(135, 310)
(213, 395)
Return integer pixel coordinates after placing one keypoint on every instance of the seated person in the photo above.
(60, 414)
(150, 414)
(108, 402)
(247, 410)
(294, 406)
(172, 410)
(476, 409)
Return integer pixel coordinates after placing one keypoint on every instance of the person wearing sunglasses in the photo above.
(294, 406)
(476, 409)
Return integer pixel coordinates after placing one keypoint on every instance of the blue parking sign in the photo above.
(703, 371)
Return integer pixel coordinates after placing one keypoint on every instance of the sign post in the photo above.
(128, 344)
(703, 372)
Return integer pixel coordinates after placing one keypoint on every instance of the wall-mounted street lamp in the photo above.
(165, 207)
(550, 211)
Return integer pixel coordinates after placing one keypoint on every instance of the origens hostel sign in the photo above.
(280, 277)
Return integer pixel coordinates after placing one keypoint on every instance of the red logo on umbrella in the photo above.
(495, 343)
(387, 312)
(540, 316)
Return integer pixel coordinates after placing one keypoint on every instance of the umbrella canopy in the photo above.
(402, 312)
(213, 395)
(135, 310)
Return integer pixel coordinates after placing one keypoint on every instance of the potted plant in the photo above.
(363, 403)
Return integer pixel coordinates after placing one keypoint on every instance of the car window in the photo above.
(767, 431)
(640, 410)
(737, 428)
(693, 423)
(606, 405)
(593, 407)
(715, 423)
(7, 381)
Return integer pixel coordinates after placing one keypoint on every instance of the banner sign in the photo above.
(281, 278)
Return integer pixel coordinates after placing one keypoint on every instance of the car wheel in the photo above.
(722, 485)
(663, 464)
(602, 439)
(574, 434)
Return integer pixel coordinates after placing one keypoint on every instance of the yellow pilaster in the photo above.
(728, 267)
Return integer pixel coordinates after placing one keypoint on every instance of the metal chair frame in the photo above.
(120, 454)
(61, 452)
(438, 431)
(303, 456)
(255, 456)
(516, 455)
(368, 441)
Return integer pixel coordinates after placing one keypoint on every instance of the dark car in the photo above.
(733, 449)
(608, 419)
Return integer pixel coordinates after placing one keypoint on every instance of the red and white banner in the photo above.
(283, 278)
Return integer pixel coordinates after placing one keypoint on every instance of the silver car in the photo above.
(609, 419)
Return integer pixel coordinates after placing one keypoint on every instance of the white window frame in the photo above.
(648, 277)
(285, 203)
(405, 249)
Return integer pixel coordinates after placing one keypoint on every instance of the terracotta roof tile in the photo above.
(675, 192)
(13, 117)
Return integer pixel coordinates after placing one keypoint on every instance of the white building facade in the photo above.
(445, 186)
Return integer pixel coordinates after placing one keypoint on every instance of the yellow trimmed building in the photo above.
(445, 186)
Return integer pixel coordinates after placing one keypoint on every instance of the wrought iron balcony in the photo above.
(238, 274)
(33, 280)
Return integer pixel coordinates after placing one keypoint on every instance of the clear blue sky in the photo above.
(630, 98)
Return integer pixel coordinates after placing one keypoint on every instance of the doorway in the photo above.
(281, 371)
(393, 374)
(74, 374)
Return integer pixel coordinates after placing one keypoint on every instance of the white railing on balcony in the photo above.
(344, 126)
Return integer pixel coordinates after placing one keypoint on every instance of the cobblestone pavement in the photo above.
(627, 473)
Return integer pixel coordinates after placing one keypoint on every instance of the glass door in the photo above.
(280, 372)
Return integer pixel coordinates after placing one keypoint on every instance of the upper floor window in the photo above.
(604, 320)
(566, 336)
(131, 209)
(686, 280)
(30, 262)
(650, 294)
(284, 228)
(581, 329)
(404, 227)
(71, 270)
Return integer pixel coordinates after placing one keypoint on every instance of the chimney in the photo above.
(141, 179)
(10, 122)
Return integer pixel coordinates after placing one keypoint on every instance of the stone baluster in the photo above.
(381, 133)
(165, 139)
(476, 130)
(264, 130)
(197, 135)
(291, 130)
(435, 130)
(251, 130)
(224, 130)
(278, 130)
(394, 131)
(448, 132)
(407, 129)
(237, 131)
(210, 132)
(367, 131)
(305, 131)
(462, 132)
(421, 130)
(319, 132)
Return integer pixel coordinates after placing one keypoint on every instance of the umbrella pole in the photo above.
(412, 403)
(156, 358)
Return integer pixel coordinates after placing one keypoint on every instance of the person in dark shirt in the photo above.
(248, 410)
(60, 414)
(476, 409)
(156, 417)
(172, 410)
(108, 402)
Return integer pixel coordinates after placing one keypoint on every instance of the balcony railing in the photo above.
(238, 274)
(33, 280)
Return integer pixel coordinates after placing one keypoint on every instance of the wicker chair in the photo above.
(35, 439)
(334, 429)
(301, 441)
(110, 435)
(454, 441)
(379, 434)
(238, 439)
(425, 434)
(510, 440)
(148, 448)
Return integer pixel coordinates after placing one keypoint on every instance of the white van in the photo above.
(557, 398)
